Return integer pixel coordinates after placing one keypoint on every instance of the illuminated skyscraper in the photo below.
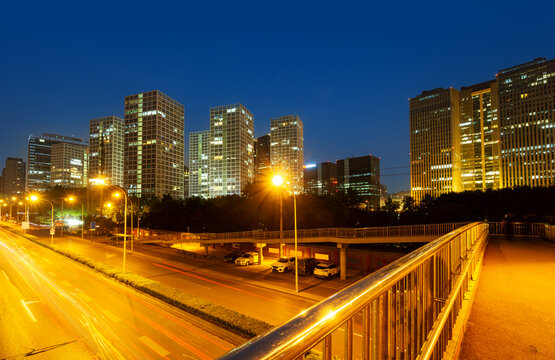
(231, 150)
(527, 119)
(435, 143)
(106, 136)
(286, 151)
(360, 176)
(262, 164)
(199, 162)
(39, 159)
(69, 165)
(154, 145)
(479, 127)
(320, 179)
(12, 181)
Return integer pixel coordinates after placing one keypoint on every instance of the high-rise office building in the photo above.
(262, 163)
(435, 143)
(39, 159)
(527, 119)
(479, 137)
(360, 175)
(13, 177)
(69, 165)
(154, 145)
(106, 136)
(320, 179)
(199, 163)
(286, 152)
(231, 150)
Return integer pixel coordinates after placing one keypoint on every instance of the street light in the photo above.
(73, 199)
(277, 180)
(35, 198)
(118, 194)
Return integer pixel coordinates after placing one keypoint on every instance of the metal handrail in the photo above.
(402, 306)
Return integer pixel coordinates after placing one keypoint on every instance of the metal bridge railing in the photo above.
(388, 231)
(406, 310)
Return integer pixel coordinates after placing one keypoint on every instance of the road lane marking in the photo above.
(6, 275)
(111, 316)
(51, 273)
(48, 261)
(85, 297)
(154, 346)
(66, 283)
(28, 311)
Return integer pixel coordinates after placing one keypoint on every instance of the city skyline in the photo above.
(347, 65)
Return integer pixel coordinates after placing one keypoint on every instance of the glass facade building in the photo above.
(199, 162)
(39, 163)
(435, 154)
(320, 179)
(286, 149)
(12, 181)
(154, 145)
(69, 165)
(262, 163)
(231, 151)
(479, 129)
(360, 175)
(106, 137)
(527, 118)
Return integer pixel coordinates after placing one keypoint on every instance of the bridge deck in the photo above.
(513, 316)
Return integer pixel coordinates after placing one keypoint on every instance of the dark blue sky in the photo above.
(347, 68)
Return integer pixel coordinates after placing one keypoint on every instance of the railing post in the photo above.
(327, 347)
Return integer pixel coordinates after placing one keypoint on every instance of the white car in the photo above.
(284, 264)
(326, 271)
(247, 259)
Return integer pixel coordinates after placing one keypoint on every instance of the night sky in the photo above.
(346, 68)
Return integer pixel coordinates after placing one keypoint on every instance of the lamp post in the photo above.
(2, 204)
(117, 194)
(278, 182)
(73, 199)
(36, 198)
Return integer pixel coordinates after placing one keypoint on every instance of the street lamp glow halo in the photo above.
(277, 180)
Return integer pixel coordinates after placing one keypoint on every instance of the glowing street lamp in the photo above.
(277, 180)
(35, 198)
(117, 194)
(73, 199)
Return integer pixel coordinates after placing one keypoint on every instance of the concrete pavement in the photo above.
(513, 315)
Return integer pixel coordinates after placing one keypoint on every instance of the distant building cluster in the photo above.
(143, 152)
(492, 135)
(359, 176)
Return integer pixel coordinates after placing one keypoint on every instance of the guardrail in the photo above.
(388, 231)
(406, 310)
(517, 229)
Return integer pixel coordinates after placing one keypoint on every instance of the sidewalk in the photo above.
(513, 315)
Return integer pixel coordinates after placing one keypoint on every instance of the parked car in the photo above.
(248, 258)
(232, 256)
(326, 271)
(306, 266)
(284, 264)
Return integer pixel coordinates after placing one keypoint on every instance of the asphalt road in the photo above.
(253, 290)
(54, 308)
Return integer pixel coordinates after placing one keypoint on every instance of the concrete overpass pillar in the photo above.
(206, 249)
(281, 246)
(260, 247)
(343, 260)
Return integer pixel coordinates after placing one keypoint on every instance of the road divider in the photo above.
(219, 315)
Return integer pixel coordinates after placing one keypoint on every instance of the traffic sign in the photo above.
(52, 231)
(25, 225)
(93, 225)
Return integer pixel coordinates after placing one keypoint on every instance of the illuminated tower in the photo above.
(435, 143)
(231, 150)
(106, 136)
(527, 119)
(286, 152)
(154, 145)
(479, 128)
